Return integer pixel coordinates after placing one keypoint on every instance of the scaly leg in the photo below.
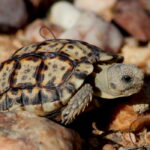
(77, 104)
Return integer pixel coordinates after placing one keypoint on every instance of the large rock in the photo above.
(25, 131)
(145, 4)
(132, 17)
(101, 7)
(13, 14)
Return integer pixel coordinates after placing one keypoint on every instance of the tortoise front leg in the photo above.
(77, 104)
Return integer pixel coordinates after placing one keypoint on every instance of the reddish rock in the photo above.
(122, 117)
(145, 4)
(132, 17)
(25, 131)
(133, 115)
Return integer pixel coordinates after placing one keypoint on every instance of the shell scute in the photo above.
(31, 96)
(50, 100)
(3, 101)
(27, 72)
(69, 87)
(50, 46)
(75, 52)
(49, 95)
(81, 69)
(9, 100)
(15, 96)
(25, 50)
(56, 72)
(5, 75)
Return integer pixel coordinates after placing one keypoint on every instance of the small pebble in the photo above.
(64, 14)
(108, 147)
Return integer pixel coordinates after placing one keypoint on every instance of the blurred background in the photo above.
(117, 26)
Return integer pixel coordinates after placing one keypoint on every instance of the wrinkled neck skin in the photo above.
(101, 82)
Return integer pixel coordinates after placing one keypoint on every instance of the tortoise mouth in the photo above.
(132, 90)
(121, 93)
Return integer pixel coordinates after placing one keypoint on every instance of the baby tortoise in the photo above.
(63, 75)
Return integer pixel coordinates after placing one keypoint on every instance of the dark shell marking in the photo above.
(42, 77)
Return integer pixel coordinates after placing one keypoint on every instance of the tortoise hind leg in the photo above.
(77, 104)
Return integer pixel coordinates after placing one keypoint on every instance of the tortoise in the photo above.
(63, 75)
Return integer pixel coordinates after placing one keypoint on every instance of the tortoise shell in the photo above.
(42, 77)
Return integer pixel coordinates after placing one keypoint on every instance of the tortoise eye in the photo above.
(126, 78)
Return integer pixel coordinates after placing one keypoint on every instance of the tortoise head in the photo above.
(118, 80)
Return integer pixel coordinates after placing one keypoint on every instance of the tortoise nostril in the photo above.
(126, 78)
